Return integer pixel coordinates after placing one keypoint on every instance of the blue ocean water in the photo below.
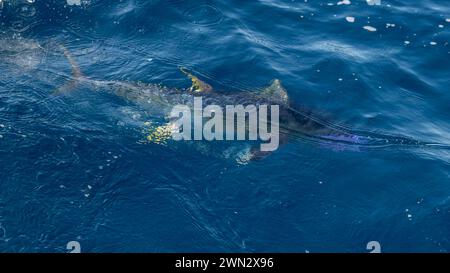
(73, 167)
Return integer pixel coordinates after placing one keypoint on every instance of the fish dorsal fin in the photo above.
(198, 86)
(276, 92)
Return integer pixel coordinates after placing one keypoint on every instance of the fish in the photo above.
(295, 122)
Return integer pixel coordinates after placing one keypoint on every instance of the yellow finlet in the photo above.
(197, 84)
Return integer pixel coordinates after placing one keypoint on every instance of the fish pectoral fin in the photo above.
(256, 153)
(276, 91)
(197, 84)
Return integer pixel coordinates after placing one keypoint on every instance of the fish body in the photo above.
(294, 122)
(159, 101)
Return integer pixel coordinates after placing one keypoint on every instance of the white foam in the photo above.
(370, 28)
(344, 2)
(350, 19)
(74, 2)
(373, 2)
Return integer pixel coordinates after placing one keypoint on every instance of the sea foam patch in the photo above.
(74, 2)
(370, 28)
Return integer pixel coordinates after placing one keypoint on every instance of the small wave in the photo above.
(203, 15)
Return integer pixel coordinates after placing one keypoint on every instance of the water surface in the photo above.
(73, 167)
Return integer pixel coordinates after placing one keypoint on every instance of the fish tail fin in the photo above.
(76, 73)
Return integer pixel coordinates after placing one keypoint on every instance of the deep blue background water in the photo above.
(73, 168)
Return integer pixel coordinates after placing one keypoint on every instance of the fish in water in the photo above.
(294, 122)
